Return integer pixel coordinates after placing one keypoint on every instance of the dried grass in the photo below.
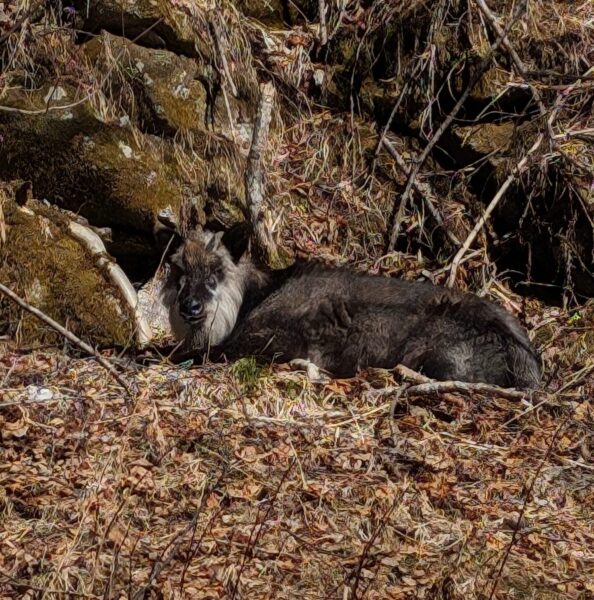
(255, 480)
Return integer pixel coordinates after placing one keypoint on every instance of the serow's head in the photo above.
(199, 268)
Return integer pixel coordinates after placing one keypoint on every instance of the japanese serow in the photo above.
(340, 320)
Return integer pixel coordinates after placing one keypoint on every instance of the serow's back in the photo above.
(345, 322)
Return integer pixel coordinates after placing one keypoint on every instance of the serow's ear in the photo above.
(214, 242)
(167, 235)
(236, 240)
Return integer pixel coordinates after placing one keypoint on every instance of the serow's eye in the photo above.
(211, 281)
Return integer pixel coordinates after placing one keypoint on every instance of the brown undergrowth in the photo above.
(250, 482)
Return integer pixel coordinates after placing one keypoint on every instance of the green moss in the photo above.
(167, 96)
(248, 373)
(53, 272)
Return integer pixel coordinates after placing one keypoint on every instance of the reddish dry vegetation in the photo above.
(240, 482)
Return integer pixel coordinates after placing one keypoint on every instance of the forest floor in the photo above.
(238, 481)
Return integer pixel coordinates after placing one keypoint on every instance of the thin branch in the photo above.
(171, 549)
(520, 67)
(94, 244)
(442, 387)
(582, 133)
(68, 335)
(361, 563)
(225, 65)
(423, 386)
(524, 506)
(252, 544)
(31, 15)
(418, 163)
(518, 170)
(423, 190)
(265, 245)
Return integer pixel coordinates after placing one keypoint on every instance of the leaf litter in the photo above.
(230, 481)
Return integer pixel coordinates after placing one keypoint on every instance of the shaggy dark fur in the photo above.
(344, 321)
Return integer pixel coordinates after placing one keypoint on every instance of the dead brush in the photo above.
(376, 505)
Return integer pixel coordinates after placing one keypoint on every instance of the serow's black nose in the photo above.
(193, 310)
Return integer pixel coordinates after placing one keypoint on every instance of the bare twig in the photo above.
(224, 64)
(520, 167)
(30, 15)
(582, 133)
(518, 170)
(68, 335)
(441, 387)
(382, 523)
(253, 540)
(423, 386)
(93, 243)
(265, 245)
(424, 191)
(411, 376)
(171, 550)
(490, 17)
(193, 548)
(388, 124)
(418, 163)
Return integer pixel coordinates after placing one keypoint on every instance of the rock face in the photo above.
(104, 171)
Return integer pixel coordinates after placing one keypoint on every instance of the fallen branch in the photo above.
(172, 548)
(424, 386)
(224, 64)
(255, 535)
(383, 521)
(265, 246)
(418, 163)
(323, 27)
(521, 166)
(68, 335)
(411, 376)
(444, 387)
(490, 17)
(527, 497)
(93, 243)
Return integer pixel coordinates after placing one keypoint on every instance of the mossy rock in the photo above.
(49, 269)
(156, 22)
(111, 174)
(477, 142)
(183, 28)
(166, 94)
